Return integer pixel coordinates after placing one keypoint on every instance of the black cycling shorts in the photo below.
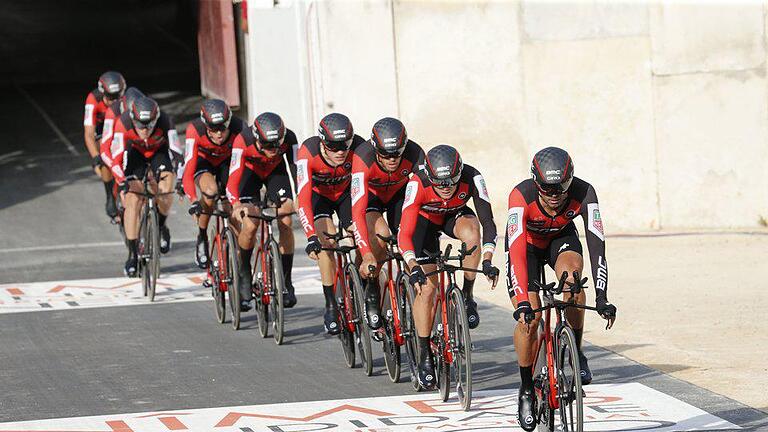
(136, 163)
(324, 207)
(426, 237)
(277, 182)
(221, 172)
(566, 240)
(393, 209)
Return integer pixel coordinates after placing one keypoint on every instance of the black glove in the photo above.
(604, 308)
(196, 208)
(180, 187)
(313, 245)
(96, 161)
(524, 308)
(489, 270)
(417, 276)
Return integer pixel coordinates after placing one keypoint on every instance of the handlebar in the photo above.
(336, 237)
(390, 240)
(446, 256)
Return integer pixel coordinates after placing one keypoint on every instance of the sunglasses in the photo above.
(338, 146)
(219, 127)
(445, 183)
(139, 125)
(395, 154)
(554, 190)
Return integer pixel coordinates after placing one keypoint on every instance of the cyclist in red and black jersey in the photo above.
(540, 230)
(144, 136)
(208, 147)
(323, 171)
(263, 155)
(111, 87)
(380, 172)
(113, 113)
(436, 201)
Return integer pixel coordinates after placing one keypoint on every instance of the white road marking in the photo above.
(110, 292)
(607, 407)
(48, 120)
(77, 246)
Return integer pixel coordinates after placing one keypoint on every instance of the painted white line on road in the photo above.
(77, 246)
(110, 292)
(48, 120)
(607, 407)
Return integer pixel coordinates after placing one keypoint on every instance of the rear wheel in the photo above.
(143, 249)
(346, 337)
(278, 286)
(219, 298)
(541, 386)
(154, 256)
(443, 378)
(229, 271)
(458, 327)
(569, 382)
(262, 279)
(362, 331)
(391, 348)
(409, 329)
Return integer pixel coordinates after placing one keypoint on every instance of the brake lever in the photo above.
(447, 252)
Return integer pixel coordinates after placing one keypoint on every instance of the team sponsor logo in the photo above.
(145, 115)
(570, 214)
(410, 194)
(348, 166)
(302, 177)
(272, 134)
(112, 88)
(340, 133)
(117, 145)
(107, 131)
(482, 189)
(513, 286)
(514, 224)
(602, 273)
(462, 195)
(595, 222)
(304, 221)
(173, 141)
(356, 187)
(442, 169)
(217, 117)
(88, 119)
(358, 238)
(405, 172)
(234, 163)
(189, 143)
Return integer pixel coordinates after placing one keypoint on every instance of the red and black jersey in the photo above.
(315, 175)
(529, 224)
(199, 145)
(422, 200)
(369, 177)
(247, 155)
(125, 137)
(95, 111)
(113, 113)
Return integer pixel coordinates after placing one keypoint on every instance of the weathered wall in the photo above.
(663, 106)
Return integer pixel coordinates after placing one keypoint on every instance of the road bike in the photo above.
(223, 277)
(350, 300)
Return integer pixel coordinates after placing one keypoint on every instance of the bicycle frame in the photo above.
(545, 337)
(341, 254)
(393, 255)
(222, 224)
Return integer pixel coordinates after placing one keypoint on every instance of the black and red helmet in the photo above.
(336, 132)
(269, 129)
(389, 137)
(552, 171)
(112, 84)
(144, 113)
(215, 114)
(443, 166)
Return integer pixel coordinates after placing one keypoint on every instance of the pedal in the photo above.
(378, 335)
(207, 283)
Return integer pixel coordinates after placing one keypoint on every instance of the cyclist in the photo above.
(380, 172)
(323, 172)
(110, 88)
(114, 111)
(540, 230)
(436, 201)
(142, 136)
(209, 141)
(263, 155)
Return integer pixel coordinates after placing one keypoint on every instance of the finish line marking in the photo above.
(607, 407)
(110, 292)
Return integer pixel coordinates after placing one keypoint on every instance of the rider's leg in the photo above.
(286, 246)
(164, 202)
(525, 346)
(109, 184)
(466, 228)
(132, 203)
(376, 225)
(327, 265)
(209, 190)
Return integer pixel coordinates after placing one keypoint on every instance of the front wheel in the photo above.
(219, 298)
(278, 286)
(151, 254)
(408, 295)
(390, 346)
(362, 332)
(230, 272)
(262, 280)
(569, 382)
(458, 328)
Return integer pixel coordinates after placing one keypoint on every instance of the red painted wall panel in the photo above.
(217, 50)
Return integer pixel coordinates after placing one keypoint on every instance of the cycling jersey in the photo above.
(125, 137)
(95, 111)
(421, 200)
(199, 146)
(529, 224)
(314, 176)
(249, 160)
(369, 177)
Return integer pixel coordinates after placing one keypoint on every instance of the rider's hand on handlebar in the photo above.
(491, 272)
(524, 313)
(606, 310)
(368, 260)
(313, 247)
(417, 278)
(196, 208)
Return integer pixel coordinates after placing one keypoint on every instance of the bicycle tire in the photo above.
(278, 289)
(231, 274)
(346, 337)
(258, 286)
(142, 251)
(443, 373)
(219, 296)
(462, 358)
(409, 330)
(391, 349)
(546, 414)
(569, 382)
(154, 255)
(362, 331)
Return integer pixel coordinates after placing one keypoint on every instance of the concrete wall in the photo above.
(663, 106)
